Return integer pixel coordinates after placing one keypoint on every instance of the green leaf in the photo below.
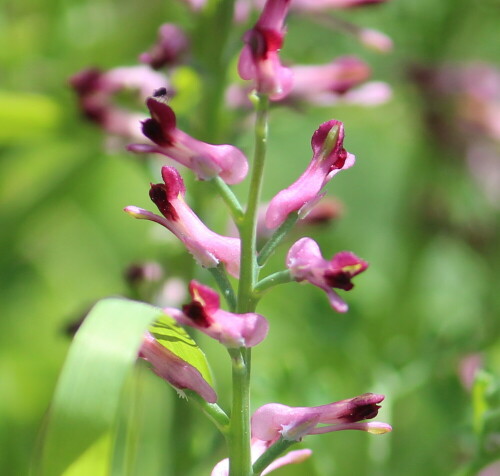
(480, 406)
(174, 338)
(90, 385)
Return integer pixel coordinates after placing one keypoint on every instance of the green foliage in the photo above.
(79, 425)
(412, 209)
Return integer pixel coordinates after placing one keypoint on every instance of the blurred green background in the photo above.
(414, 207)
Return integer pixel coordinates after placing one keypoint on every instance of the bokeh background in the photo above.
(421, 205)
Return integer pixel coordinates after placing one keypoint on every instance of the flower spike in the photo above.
(305, 262)
(329, 158)
(204, 313)
(207, 247)
(259, 59)
(205, 160)
(272, 421)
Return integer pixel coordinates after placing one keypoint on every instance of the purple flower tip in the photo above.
(329, 157)
(305, 262)
(272, 421)
(230, 329)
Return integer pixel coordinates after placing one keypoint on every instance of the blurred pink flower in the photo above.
(175, 370)
(305, 262)
(205, 160)
(375, 40)
(468, 367)
(230, 329)
(338, 76)
(96, 90)
(259, 60)
(273, 420)
(208, 247)
(329, 158)
(169, 48)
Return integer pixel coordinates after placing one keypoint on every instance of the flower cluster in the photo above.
(237, 258)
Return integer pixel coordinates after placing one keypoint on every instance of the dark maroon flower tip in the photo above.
(162, 124)
(86, 81)
(262, 41)
(341, 158)
(196, 312)
(342, 268)
(160, 197)
(173, 182)
(338, 279)
(364, 407)
(337, 150)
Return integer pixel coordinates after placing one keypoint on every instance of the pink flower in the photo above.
(258, 447)
(305, 262)
(337, 77)
(207, 247)
(272, 421)
(96, 90)
(375, 40)
(329, 158)
(259, 59)
(171, 44)
(206, 160)
(175, 370)
(204, 313)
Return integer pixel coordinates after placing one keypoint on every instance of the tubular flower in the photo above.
(335, 77)
(175, 370)
(272, 421)
(205, 160)
(207, 247)
(170, 46)
(96, 90)
(258, 448)
(305, 262)
(204, 313)
(329, 158)
(259, 59)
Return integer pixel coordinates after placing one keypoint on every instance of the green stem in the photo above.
(239, 441)
(248, 228)
(215, 413)
(268, 249)
(229, 198)
(239, 433)
(270, 455)
(225, 287)
(281, 277)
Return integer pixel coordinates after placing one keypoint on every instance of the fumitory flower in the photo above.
(179, 373)
(314, 82)
(171, 44)
(206, 160)
(96, 90)
(329, 158)
(258, 447)
(208, 247)
(273, 420)
(305, 262)
(230, 329)
(259, 59)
